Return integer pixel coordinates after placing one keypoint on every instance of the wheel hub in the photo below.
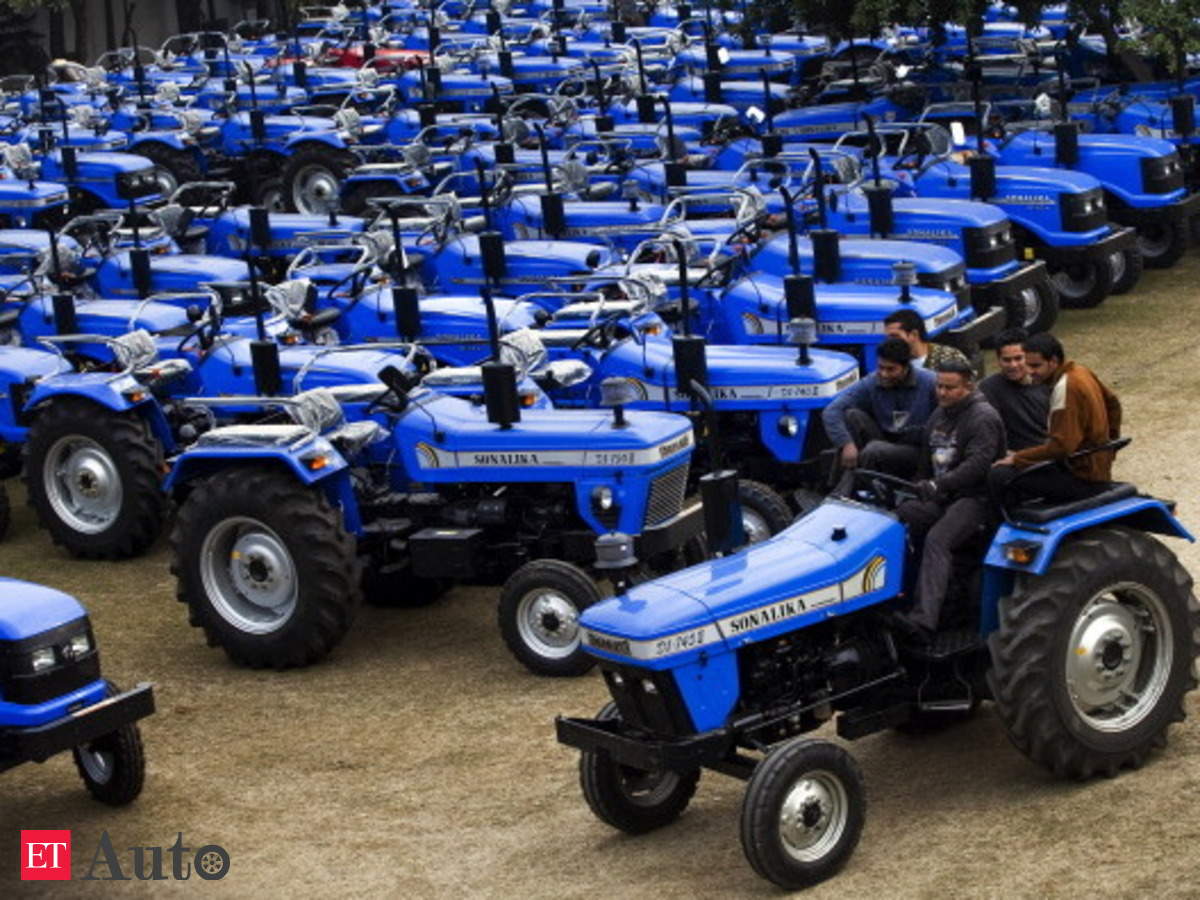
(262, 569)
(1031, 306)
(755, 525)
(82, 484)
(317, 190)
(554, 619)
(1118, 657)
(249, 575)
(806, 814)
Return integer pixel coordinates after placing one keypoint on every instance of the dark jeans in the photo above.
(877, 451)
(943, 529)
(1053, 484)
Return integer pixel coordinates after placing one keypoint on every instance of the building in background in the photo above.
(32, 32)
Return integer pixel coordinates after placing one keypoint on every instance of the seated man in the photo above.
(1083, 414)
(1023, 404)
(877, 422)
(908, 325)
(962, 439)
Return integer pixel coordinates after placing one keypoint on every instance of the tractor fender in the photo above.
(308, 139)
(1138, 512)
(332, 475)
(172, 139)
(119, 394)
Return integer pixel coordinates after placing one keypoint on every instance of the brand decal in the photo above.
(871, 577)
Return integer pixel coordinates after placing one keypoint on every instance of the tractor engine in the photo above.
(811, 668)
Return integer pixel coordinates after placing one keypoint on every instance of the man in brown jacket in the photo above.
(1083, 414)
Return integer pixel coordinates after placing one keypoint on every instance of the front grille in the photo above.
(666, 496)
(1162, 174)
(1084, 211)
(648, 701)
(989, 247)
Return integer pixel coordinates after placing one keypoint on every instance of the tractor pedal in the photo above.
(946, 644)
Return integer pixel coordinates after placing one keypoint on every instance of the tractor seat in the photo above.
(1038, 514)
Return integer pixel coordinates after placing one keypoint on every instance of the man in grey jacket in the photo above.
(962, 439)
(877, 422)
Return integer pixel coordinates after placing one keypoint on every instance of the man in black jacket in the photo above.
(962, 439)
(1023, 403)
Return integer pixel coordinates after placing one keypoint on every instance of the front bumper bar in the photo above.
(43, 741)
(968, 337)
(994, 293)
(1179, 211)
(647, 754)
(1120, 238)
(671, 534)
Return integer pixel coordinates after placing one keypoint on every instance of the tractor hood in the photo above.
(23, 196)
(530, 264)
(111, 317)
(839, 558)
(843, 310)
(290, 232)
(169, 272)
(740, 377)
(913, 214)
(864, 260)
(550, 444)
(27, 609)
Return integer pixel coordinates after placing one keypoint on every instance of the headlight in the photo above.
(788, 426)
(42, 659)
(602, 498)
(79, 645)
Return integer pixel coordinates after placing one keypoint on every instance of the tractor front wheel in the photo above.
(764, 512)
(113, 766)
(1084, 283)
(803, 813)
(539, 611)
(629, 799)
(1126, 268)
(1091, 661)
(1163, 243)
(5, 511)
(265, 567)
(1034, 308)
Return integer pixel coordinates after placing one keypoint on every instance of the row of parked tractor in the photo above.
(529, 296)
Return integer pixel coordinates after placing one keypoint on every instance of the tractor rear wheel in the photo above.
(629, 799)
(803, 813)
(1163, 244)
(539, 611)
(1126, 270)
(268, 193)
(313, 177)
(172, 167)
(113, 766)
(265, 567)
(1083, 284)
(93, 479)
(1092, 660)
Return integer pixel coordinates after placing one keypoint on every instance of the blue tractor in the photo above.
(55, 700)
(279, 521)
(1074, 620)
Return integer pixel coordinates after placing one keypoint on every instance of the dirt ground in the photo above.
(420, 760)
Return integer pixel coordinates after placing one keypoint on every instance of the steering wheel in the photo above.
(599, 335)
(888, 490)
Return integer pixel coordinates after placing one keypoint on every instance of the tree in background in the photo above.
(1170, 30)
